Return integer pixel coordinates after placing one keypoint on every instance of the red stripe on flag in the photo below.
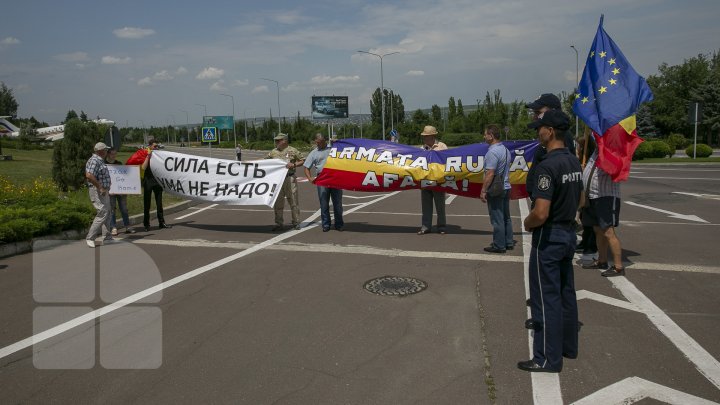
(615, 151)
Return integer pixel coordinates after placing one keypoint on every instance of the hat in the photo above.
(281, 136)
(551, 118)
(429, 130)
(101, 146)
(546, 100)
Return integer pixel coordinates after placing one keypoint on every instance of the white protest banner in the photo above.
(218, 180)
(125, 179)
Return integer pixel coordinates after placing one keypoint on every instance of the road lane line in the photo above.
(90, 316)
(198, 211)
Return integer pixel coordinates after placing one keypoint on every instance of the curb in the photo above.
(16, 248)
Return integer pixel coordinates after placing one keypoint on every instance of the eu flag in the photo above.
(609, 93)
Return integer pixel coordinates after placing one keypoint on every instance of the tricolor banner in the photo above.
(381, 166)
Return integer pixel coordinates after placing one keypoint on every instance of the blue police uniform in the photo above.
(553, 304)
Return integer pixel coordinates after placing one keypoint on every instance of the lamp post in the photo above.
(577, 82)
(278, 100)
(382, 86)
(245, 120)
(144, 133)
(203, 120)
(187, 125)
(233, 103)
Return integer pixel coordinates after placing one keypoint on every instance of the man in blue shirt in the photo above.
(497, 168)
(317, 159)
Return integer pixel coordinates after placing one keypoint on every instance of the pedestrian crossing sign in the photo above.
(209, 134)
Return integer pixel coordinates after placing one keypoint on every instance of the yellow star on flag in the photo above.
(592, 54)
(611, 61)
(616, 71)
(602, 54)
(603, 89)
(584, 100)
(613, 81)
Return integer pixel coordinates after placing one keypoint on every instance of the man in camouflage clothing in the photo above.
(289, 189)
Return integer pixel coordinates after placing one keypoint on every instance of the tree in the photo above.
(708, 93)
(70, 115)
(83, 116)
(72, 152)
(452, 110)
(436, 115)
(27, 136)
(645, 125)
(8, 105)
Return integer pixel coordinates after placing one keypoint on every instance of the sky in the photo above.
(143, 63)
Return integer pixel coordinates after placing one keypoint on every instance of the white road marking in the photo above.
(635, 389)
(198, 211)
(585, 294)
(90, 316)
(357, 197)
(670, 213)
(450, 199)
(545, 386)
(704, 362)
(710, 196)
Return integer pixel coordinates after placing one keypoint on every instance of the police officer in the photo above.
(556, 195)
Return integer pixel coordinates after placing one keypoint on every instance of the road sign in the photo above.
(209, 134)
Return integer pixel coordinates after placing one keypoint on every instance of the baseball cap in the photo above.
(551, 118)
(101, 146)
(545, 100)
(281, 136)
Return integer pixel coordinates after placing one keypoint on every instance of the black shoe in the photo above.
(532, 325)
(570, 356)
(147, 228)
(277, 228)
(326, 229)
(340, 228)
(527, 302)
(423, 232)
(613, 272)
(511, 247)
(595, 265)
(165, 226)
(533, 368)
(493, 249)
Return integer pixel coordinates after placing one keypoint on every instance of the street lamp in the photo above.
(577, 82)
(245, 120)
(233, 103)
(278, 100)
(382, 86)
(144, 133)
(187, 125)
(203, 120)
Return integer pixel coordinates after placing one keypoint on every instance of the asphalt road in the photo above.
(230, 312)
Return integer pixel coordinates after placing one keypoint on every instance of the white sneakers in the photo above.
(114, 232)
(90, 243)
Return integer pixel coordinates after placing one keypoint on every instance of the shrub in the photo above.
(461, 139)
(660, 149)
(677, 141)
(644, 150)
(702, 151)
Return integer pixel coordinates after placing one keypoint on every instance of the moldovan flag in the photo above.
(609, 93)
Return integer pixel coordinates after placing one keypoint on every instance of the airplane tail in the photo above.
(7, 128)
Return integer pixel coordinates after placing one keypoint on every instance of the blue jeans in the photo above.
(122, 202)
(325, 194)
(499, 210)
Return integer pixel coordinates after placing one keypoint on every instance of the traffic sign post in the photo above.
(209, 135)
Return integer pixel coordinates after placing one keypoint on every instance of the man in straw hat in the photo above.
(430, 142)
(98, 182)
(289, 189)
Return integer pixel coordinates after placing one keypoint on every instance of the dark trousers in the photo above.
(553, 303)
(148, 190)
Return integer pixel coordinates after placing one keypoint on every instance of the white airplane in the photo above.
(53, 133)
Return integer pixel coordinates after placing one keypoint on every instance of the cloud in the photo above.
(114, 60)
(181, 71)
(80, 66)
(160, 76)
(9, 41)
(290, 18)
(334, 80)
(260, 89)
(415, 73)
(133, 33)
(240, 83)
(218, 86)
(210, 73)
(72, 57)
(570, 76)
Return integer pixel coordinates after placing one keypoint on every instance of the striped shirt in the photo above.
(96, 166)
(601, 184)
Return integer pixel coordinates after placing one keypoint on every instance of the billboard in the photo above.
(327, 107)
(218, 121)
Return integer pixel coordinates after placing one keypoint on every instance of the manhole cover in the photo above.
(393, 285)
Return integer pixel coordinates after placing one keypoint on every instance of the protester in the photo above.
(497, 164)
(238, 152)
(604, 216)
(587, 245)
(117, 200)
(150, 186)
(289, 189)
(427, 197)
(317, 159)
(98, 182)
(553, 303)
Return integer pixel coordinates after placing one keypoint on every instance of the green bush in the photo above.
(702, 151)
(660, 149)
(454, 139)
(677, 141)
(644, 150)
